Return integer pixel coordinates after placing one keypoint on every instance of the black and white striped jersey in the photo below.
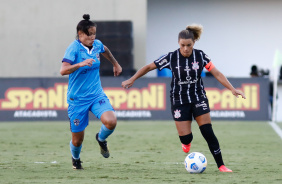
(186, 84)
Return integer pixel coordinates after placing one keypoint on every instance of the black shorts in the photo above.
(185, 112)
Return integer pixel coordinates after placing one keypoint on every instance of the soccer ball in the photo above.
(195, 163)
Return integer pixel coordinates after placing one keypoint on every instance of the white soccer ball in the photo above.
(195, 162)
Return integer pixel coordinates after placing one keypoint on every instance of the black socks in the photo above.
(213, 144)
(186, 139)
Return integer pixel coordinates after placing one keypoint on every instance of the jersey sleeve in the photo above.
(98, 44)
(163, 61)
(70, 54)
(207, 62)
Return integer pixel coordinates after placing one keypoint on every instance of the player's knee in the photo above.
(77, 142)
(110, 122)
(186, 139)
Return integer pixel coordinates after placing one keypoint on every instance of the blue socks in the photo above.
(102, 136)
(75, 151)
(104, 133)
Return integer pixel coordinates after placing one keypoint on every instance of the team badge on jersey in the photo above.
(98, 56)
(177, 113)
(195, 65)
(76, 122)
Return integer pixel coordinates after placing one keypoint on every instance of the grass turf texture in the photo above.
(141, 152)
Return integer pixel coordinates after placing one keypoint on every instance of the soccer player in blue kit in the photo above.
(85, 93)
(187, 95)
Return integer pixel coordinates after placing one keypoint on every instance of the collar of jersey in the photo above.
(192, 55)
(87, 49)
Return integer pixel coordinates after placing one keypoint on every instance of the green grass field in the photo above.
(141, 152)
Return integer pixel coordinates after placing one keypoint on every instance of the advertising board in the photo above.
(33, 99)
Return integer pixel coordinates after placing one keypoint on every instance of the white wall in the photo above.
(34, 34)
(237, 34)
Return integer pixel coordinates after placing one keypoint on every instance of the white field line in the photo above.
(276, 128)
(54, 162)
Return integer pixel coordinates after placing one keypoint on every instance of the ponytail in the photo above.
(192, 31)
(197, 30)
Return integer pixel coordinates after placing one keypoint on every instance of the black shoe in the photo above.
(76, 164)
(103, 147)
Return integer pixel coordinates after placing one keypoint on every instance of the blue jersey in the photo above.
(84, 83)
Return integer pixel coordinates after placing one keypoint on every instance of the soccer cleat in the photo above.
(76, 164)
(224, 169)
(186, 148)
(103, 147)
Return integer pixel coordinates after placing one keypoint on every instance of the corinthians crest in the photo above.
(177, 113)
(195, 65)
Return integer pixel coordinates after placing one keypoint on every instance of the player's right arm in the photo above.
(67, 68)
(145, 69)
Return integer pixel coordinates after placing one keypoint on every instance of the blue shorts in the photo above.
(78, 114)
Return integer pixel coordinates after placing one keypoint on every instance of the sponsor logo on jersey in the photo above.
(95, 49)
(89, 69)
(163, 62)
(101, 102)
(202, 104)
(188, 78)
(187, 69)
(187, 82)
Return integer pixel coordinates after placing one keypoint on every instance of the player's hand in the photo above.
(87, 62)
(117, 69)
(127, 84)
(236, 93)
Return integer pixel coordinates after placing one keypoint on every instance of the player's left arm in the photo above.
(224, 81)
(109, 56)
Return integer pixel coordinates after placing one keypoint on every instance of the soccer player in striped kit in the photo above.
(187, 94)
(85, 93)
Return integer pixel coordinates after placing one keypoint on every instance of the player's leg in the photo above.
(109, 122)
(105, 112)
(183, 118)
(75, 148)
(76, 144)
(78, 116)
(204, 122)
(201, 113)
(185, 134)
